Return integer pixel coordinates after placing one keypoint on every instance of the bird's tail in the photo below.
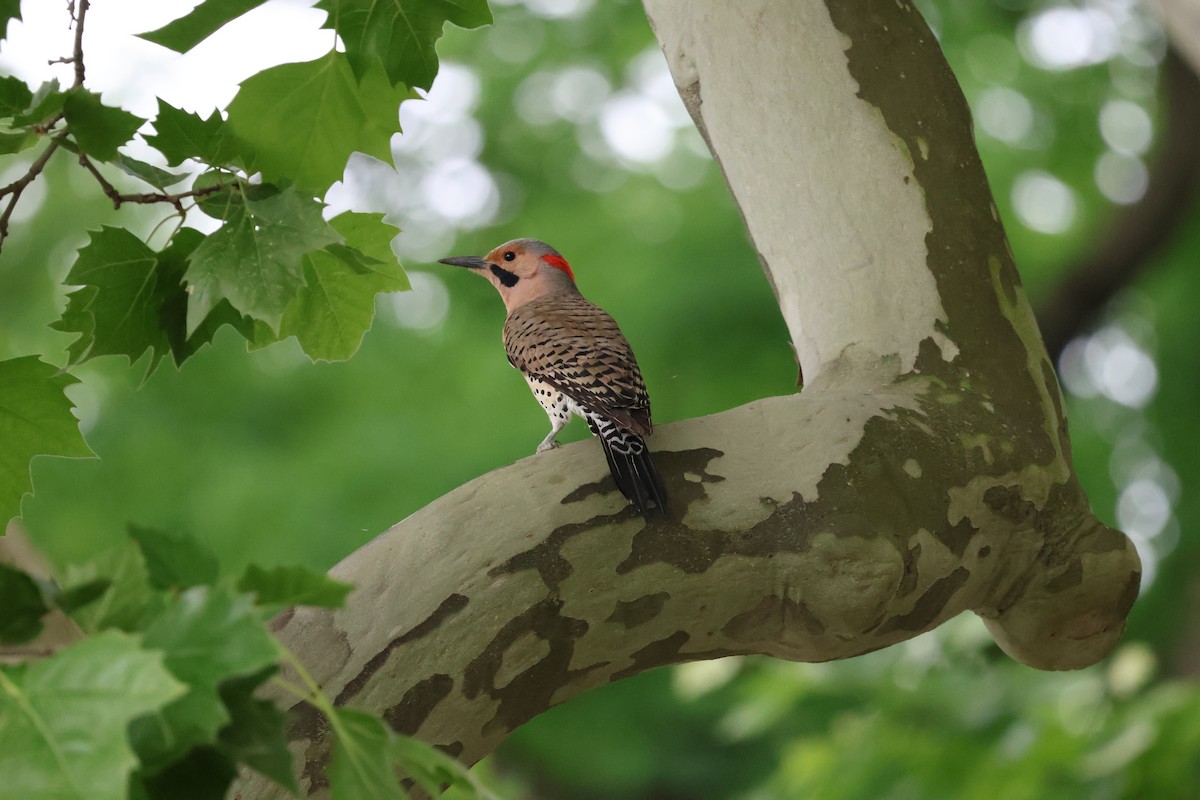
(630, 464)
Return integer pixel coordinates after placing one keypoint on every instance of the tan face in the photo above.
(521, 270)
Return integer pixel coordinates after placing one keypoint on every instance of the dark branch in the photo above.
(145, 198)
(1143, 228)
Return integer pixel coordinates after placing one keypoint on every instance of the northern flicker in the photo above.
(575, 360)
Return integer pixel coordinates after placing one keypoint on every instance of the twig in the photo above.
(78, 57)
(16, 187)
(118, 199)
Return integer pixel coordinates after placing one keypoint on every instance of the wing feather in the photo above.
(577, 348)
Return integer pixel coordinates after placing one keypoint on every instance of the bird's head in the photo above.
(521, 270)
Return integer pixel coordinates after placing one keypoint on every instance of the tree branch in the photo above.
(118, 199)
(1140, 230)
(924, 471)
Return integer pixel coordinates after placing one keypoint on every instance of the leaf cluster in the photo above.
(161, 694)
(275, 267)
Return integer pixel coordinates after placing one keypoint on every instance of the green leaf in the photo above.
(174, 560)
(370, 235)
(22, 604)
(257, 733)
(16, 142)
(432, 769)
(293, 586)
(155, 176)
(209, 634)
(9, 9)
(254, 260)
(362, 761)
(35, 419)
(127, 601)
(46, 103)
(15, 96)
(399, 33)
(98, 129)
(181, 135)
(118, 312)
(74, 598)
(197, 25)
(172, 264)
(63, 719)
(304, 120)
(333, 312)
(335, 309)
(205, 773)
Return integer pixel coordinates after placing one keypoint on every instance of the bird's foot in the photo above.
(548, 444)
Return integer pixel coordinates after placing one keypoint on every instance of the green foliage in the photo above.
(174, 561)
(208, 635)
(170, 704)
(399, 33)
(201, 22)
(180, 135)
(23, 606)
(63, 718)
(9, 9)
(35, 418)
(254, 259)
(160, 699)
(293, 586)
(98, 129)
(302, 121)
(367, 753)
(119, 308)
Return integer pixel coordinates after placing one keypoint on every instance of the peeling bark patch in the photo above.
(1071, 576)
(309, 724)
(908, 583)
(672, 465)
(530, 692)
(930, 604)
(410, 713)
(958, 537)
(547, 559)
(685, 549)
(897, 59)
(449, 607)
(1008, 503)
(771, 620)
(666, 651)
(639, 611)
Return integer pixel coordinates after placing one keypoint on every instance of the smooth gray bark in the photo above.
(923, 471)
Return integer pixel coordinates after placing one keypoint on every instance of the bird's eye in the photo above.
(510, 255)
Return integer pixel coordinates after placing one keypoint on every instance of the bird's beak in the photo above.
(470, 262)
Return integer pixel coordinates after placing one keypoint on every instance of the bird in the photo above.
(575, 360)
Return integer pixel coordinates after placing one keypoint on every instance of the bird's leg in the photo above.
(556, 425)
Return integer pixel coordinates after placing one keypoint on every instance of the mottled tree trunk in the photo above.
(924, 470)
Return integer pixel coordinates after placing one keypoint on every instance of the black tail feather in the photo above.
(633, 471)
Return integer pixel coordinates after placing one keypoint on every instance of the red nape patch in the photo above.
(558, 262)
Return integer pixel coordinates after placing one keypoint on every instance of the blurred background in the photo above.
(561, 122)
